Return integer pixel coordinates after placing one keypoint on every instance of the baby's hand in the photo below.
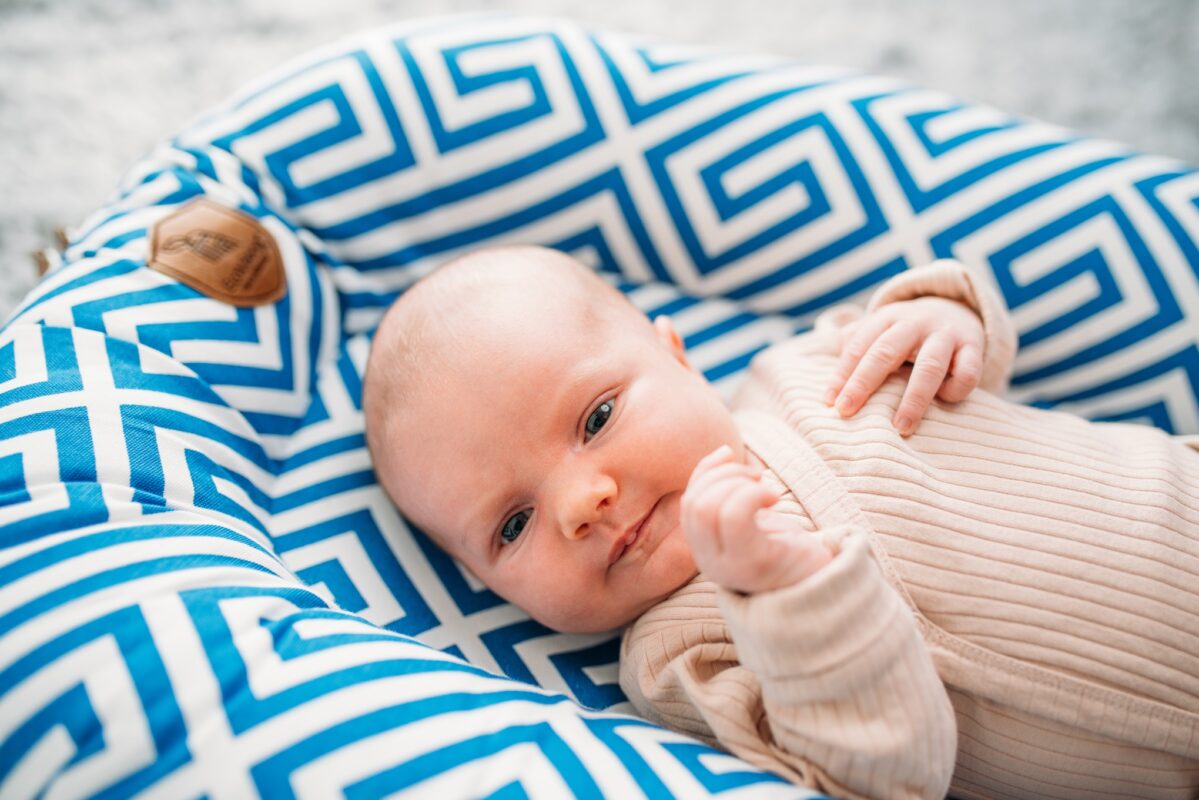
(942, 337)
(718, 515)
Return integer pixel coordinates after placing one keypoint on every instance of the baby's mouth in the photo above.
(631, 537)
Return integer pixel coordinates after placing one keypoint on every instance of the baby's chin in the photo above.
(612, 618)
(592, 624)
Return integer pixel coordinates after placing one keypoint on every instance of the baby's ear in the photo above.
(670, 338)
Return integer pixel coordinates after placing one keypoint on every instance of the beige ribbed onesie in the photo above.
(1013, 610)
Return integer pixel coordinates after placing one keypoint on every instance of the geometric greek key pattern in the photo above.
(203, 590)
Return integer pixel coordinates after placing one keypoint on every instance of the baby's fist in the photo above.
(719, 518)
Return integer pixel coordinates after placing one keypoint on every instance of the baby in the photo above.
(866, 576)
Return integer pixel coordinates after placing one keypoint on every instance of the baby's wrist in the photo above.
(814, 556)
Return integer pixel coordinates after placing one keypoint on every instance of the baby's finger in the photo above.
(853, 346)
(698, 520)
(885, 356)
(721, 455)
(717, 456)
(963, 375)
(702, 500)
(736, 518)
(932, 362)
(702, 482)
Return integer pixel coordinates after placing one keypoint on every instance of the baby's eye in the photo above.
(598, 419)
(512, 528)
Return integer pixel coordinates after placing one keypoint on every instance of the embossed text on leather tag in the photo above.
(222, 252)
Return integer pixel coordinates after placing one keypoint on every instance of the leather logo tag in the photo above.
(219, 251)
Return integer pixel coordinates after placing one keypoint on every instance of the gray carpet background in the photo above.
(90, 85)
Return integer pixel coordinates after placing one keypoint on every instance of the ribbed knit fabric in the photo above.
(1039, 571)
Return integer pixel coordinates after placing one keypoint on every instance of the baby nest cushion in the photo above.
(203, 589)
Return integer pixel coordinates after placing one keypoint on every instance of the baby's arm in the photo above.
(944, 319)
(851, 700)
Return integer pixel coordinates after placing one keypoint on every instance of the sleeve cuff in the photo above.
(952, 280)
(826, 635)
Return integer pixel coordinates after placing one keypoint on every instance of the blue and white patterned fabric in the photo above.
(202, 589)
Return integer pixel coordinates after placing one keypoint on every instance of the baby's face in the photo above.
(551, 459)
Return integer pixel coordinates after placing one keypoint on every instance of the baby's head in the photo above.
(527, 417)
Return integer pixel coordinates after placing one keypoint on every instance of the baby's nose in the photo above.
(587, 504)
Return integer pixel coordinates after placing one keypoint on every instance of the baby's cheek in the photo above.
(692, 405)
(579, 609)
(547, 583)
(539, 595)
(703, 425)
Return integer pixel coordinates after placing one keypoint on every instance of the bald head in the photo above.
(479, 310)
